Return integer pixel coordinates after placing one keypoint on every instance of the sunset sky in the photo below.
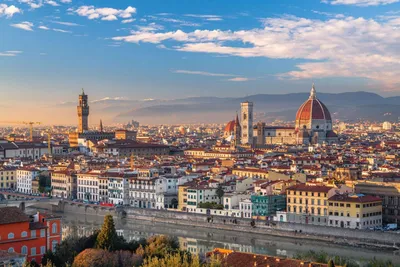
(166, 49)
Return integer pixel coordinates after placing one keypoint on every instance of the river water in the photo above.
(198, 240)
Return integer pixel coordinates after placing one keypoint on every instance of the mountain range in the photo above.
(351, 106)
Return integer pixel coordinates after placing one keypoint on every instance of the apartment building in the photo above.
(355, 211)
(64, 183)
(8, 177)
(25, 175)
(88, 186)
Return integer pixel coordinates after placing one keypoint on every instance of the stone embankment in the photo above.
(359, 238)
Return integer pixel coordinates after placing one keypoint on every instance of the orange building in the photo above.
(31, 236)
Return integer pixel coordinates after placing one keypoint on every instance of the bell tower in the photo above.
(83, 113)
(247, 122)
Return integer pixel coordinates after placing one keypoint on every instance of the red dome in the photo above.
(312, 109)
(230, 127)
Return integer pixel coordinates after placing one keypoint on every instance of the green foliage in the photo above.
(68, 249)
(379, 263)
(220, 192)
(160, 246)
(172, 260)
(211, 205)
(95, 257)
(108, 238)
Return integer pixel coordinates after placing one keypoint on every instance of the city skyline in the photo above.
(157, 50)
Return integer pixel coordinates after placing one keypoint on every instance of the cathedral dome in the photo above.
(230, 127)
(313, 111)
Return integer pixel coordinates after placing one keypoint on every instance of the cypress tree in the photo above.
(107, 238)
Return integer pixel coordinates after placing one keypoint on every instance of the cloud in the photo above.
(203, 73)
(118, 98)
(60, 30)
(335, 47)
(52, 3)
(360, 2)
(66, 1)
(32, 3)
(238, 79)
(66, 23)
(205, 17)
(25, 25)
(9, 11)
(44, 28)
(11, 53)
(150, 27)
(127, 21)
(105, 13)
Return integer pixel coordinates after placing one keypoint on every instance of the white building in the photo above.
(25, 176)
(88, 186)
(118, 187)
(245, 207)
(200, 194)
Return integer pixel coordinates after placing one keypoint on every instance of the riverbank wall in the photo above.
(385, 240)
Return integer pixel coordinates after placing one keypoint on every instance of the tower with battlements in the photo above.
(247, 122)
(83, 113)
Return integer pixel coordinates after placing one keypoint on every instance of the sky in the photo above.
(168, 49)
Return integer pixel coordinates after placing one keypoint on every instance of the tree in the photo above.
(331, 263)
(107, 238)
(95, 258)
(220, 192)
(172, 260)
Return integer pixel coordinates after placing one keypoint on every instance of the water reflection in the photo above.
(199, 241)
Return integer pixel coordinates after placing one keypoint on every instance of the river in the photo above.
(197, 240)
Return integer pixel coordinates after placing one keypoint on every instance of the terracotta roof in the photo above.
(241, 259)
(312, 109)
(10, 215)
(310, 188)
(354, 198)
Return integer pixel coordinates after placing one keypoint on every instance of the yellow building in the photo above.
(8, 178)
(307, 203)
(355, 211)
(182, 197)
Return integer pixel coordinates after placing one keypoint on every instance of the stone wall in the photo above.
(293, 230)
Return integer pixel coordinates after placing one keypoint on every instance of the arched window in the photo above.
(24, 250)
(24, 234)
(11, 236)
(54, 228)
(11, 250)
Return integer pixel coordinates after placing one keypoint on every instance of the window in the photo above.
(24, 250)
(42, 232)
(24, 234)
(42, 250)
(11, 250)
(11, 236)
(54, 228)
(33, 251)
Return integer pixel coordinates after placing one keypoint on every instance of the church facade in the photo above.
(313, 125)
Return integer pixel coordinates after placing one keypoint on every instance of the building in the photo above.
(388, 192)
(64, 184)
(88, 186)
(125, 148)
(22, 149)
(201, 153)
(313, 125)
(83, 113)
(355, 211)
(247, 122)
(25, 176)
(233, 258)
(83, 125)
(265, 206)
(8, 177)
(347, 173)
(308, 202)
(197, 194)
(125, 135)
(245, 208)
(29, 236)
